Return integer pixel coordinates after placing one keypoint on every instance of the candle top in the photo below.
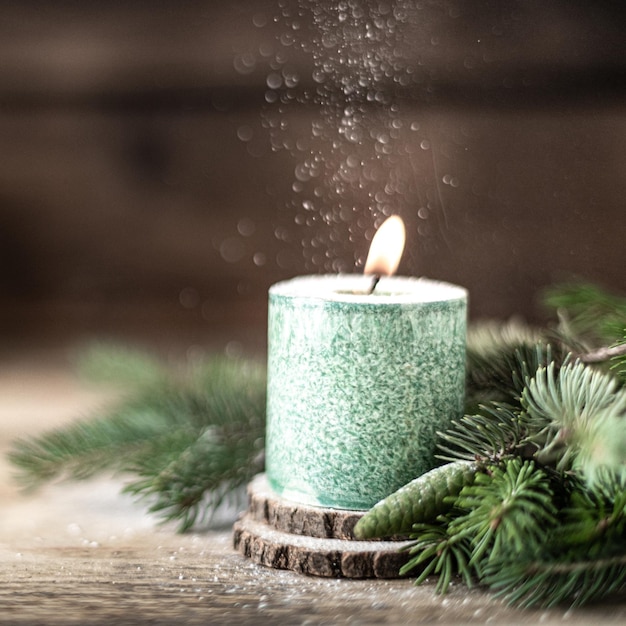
(355, 288)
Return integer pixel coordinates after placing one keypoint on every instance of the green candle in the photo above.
(359, 383)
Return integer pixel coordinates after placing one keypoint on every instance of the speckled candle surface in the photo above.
(359, 384)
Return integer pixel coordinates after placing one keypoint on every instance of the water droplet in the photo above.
(259, 20)
(232, 250)
(286, 39)
(291, 80)
(425, 144)
(244, 287)
(259, 259)
(319, 76)
(189, 298)
(469, 63)
(246, 227)
(302, 172)
(255, 149)
(329, 40)
(244, 63)
(280, 232)
(274, 80)
(266, 49)
(245, 133)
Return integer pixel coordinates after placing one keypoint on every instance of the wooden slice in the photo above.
(298, 519)
(311, 540)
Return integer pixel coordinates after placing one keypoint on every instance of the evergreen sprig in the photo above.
(618, 361)
(504, 511)
(575, 416)
(441, 553)
(186, 437)
(589, 315)
(507, 509)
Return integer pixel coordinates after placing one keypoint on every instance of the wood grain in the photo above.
(315, 541)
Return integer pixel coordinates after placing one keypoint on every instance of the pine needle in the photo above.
(549, 582)
(188, 436)
(589, 314)
(576, 415)
(108, 363)
(87, 447)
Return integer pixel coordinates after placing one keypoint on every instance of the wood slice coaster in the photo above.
(311, 540)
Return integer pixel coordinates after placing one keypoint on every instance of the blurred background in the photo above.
(163, 162)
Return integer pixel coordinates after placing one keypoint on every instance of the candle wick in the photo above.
(375, 281)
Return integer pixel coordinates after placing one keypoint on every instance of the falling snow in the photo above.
(362, 155)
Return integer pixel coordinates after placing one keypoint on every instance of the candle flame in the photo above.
(387, 247)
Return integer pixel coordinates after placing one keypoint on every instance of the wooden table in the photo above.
(80, 553)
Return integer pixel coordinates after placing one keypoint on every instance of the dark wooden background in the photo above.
(129, 204)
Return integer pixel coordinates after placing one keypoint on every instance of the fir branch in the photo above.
(499, 374)
(197, 480)
(537, 581)
(487, 437)
(505, 531)
(593, 515)
(184, 436)
(567, 413)
(191, 482)
(108, 363)
(492, 430)
(589, 315)
(436, 552)
(600, 355)
(488, 337)
(504, 511)
(86, 447)
(508, 511)
(572, 418)
(618, 361)
(491, 354)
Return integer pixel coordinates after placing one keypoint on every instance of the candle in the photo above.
(359, 383)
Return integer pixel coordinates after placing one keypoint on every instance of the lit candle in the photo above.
(360, 381)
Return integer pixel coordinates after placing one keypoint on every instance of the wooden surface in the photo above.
(83, 554)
